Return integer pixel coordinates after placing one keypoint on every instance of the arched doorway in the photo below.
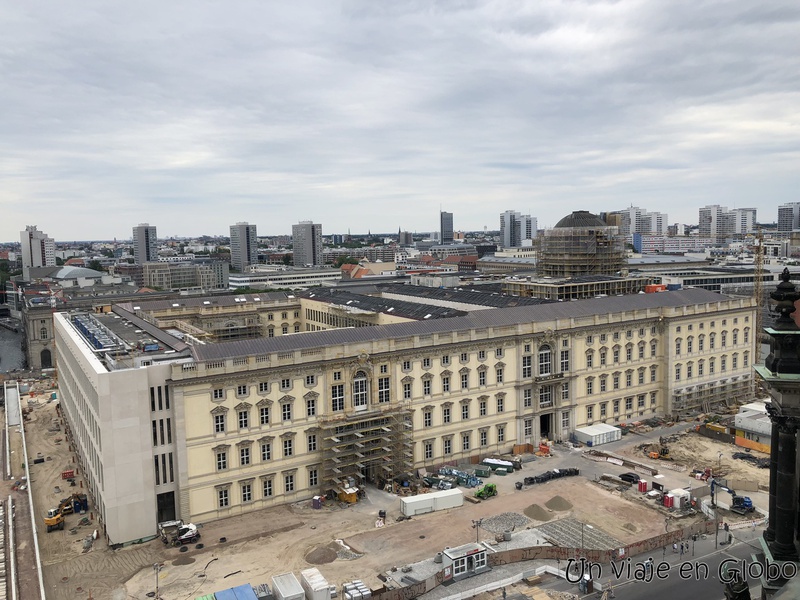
(45, 359)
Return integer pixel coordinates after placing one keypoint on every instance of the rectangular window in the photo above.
(545, 396)
(677, 372)
(629, 403)
(447, 446)
(465, 356)
(384, 369)
(481, 355)
(711, 366)
(244, 456)
(311, 407)
(426, 387)
(652, 398)
(465, 380)
(288, 482)
(244, 419)
(565, 390)
(528, 427)
(171, 467)
(219, 394)
(155, 433)
(641, 377)
(723, 363)
(446, 414)
(689, 371)
(527, 398)
(312, 442)
(266, 452)
(501, 433)
(311, 380)
(313, 478)
(482, 408)
(160, 399)
(527, 362)
(652, 374)
(427, 418)
(603, 409)
(406, 391)
(616, 407)
(337, 375)
(499, 375)
(158, 479)
(286, 412)
(498, 353)
(445, 384)
(428, 450)
(337, 397)
(152, 399)
(589, 387)
(406, 365)
(383, 390)
(263, 387)
(426, 363)
(615, 380)
(219, 423)
(501, 405)
(263, 415)
(616, 355)
(483, 436)
(628, 379)
(564, 361)
(288, 447)
(640, 400)
(565, 420)
(589, 413)
(241, 390)
(545, 361)
(603, 383)
(445, 360)
(465, 441)
(223, 501)
(629, 353)
(222, 460)
(464, 412)
(247, 493)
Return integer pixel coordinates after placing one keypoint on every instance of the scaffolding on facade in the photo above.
(577, 251)
(713, 398)
(362, 447)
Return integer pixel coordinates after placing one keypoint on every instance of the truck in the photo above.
(54, 519)
(177, 533)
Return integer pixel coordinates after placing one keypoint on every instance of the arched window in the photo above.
(545, 360)
(43, 333)
(46, 359)
(690, 344)
(678, 346)
(360, 390)
(701, 343)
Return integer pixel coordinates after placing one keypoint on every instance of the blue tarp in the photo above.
(242, 592)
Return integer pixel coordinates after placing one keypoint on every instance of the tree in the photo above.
(287, 259)
(59, 261)
(95, 265)
(344, 260)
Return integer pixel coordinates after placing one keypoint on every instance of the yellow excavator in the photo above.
(54, 519)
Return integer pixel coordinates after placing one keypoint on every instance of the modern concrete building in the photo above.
(145, 244)
(257, 421)
(574, 288)
(637, 220)
(445, 228)
(307, 244)
(719, 223)
(184, 276)
(244, 246)
(38, 250)
(517, 229)
(789, 216)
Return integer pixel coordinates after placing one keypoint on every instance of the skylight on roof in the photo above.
(175, 304)
(206, 302)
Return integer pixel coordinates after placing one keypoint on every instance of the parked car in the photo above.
(630, 477)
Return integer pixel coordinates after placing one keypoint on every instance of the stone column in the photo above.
(783, 546)
(769, 532)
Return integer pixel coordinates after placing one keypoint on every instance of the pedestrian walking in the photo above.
(674, 548)
(681, 549)
(504, 593)
(754, 525)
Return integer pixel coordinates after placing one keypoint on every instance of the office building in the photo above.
(242, 421)
(307, 244)
(789, 216)
(38, 250)
(244, 246)
(145, 244)
(516, 229)
(445, 228)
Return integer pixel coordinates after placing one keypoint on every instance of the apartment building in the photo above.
(262, 421)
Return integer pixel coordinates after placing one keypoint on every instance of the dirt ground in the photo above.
(694, 451)
(290, 538)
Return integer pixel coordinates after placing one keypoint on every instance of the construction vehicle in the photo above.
(662, 454)
(487, 491)
(74, 504)
(54, 519)
(177, 533)
(741, 505)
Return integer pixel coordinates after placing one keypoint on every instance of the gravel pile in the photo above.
(344, 552)
(538, 513)
(505, 522)
(558, 503)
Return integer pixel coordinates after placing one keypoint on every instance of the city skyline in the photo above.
(365, 116)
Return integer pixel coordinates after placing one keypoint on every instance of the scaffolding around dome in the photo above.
(580, 244)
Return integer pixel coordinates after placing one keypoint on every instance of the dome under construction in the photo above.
(580, 244)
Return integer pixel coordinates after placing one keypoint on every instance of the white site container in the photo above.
(315, 585)
(286, 587)
(416, 505)
(595, 435)
(452, 498)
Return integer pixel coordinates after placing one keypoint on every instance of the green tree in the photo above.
(59, 261)
(287, 259)
(345, 260)
(95, 265)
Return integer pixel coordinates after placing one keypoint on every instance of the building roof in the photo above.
(69, 272)
(192, 301)
(471, 295)
(399, 308)
(501, 317)
(581, 218)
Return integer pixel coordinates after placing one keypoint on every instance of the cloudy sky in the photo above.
(372, 115)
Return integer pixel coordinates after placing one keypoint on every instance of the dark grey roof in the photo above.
(500, 317)
(581, 218)
(222, 300)
(471, 295)
(400, 308)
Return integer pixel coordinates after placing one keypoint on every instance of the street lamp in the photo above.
(719, 462)
(476, 525)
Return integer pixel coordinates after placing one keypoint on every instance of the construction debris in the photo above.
(761, 463)
(507, 521)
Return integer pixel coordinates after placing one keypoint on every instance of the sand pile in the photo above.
(538, 513)
(558, 503)
(322, 555)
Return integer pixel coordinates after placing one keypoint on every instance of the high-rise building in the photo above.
(515, 228)
(307, 244)
(145, 243)
(637, 220)
(720, 223)
(445, 227)
(244, 246)
(38, 250)
(405, 238)
(789, 216)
